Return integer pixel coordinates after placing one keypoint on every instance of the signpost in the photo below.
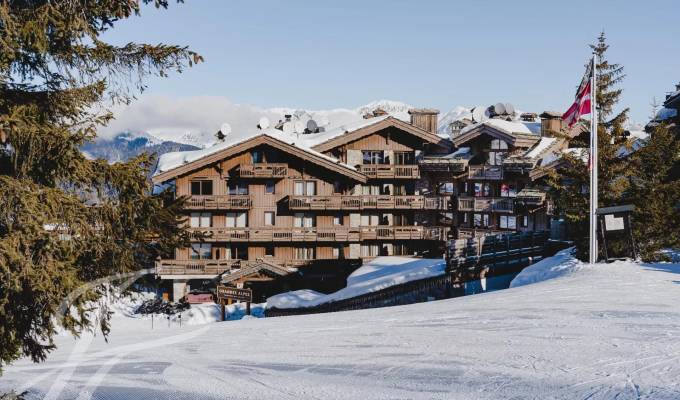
(227, 294)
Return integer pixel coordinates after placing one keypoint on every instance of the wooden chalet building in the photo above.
(269, 206)
(495, 175)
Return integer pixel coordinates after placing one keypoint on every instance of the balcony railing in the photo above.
(390, 171)
(196, 267)
(263, 170)
(382, 232)
(468, 233)
(219, 202)
(486, 172)
(486, 204)
(317, 234)
(407, 202)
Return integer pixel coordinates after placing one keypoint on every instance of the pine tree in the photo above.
(655, 192)
(56, 74)
(569, 187)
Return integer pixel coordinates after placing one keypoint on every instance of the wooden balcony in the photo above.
(368, 202)
(263, 170)
(218, 202)
(471, 233)
(317, 234)
(390, 171)
(382, 232)
(485, 172)
(196, 267)
(486, 204)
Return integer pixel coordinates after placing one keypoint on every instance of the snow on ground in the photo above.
(599, 332)
(376, 275)
(561, 264)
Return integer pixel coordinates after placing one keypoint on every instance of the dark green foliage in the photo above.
(570, 186)
(56, 79)
(655, 190)
(647, 178)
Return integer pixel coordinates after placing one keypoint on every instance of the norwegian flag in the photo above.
(582, 103)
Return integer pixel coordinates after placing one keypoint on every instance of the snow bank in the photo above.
(561, 264)
(376, 275)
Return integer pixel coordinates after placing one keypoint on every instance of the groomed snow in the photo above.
(376, 275)
(599, 332)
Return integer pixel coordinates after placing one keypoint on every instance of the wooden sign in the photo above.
(230, 293)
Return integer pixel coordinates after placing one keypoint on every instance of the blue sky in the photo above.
(328, 54)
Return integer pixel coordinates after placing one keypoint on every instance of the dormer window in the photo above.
(498, 152)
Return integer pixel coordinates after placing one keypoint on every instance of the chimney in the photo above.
(551, 121)
(424, 118)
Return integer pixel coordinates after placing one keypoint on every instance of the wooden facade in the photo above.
(267, 200)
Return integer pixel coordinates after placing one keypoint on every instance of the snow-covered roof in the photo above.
(373, 276)
(508, 127)
(313, 139)
(540, 147)
(170, 161)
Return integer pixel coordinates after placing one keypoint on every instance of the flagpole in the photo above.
(593, 163)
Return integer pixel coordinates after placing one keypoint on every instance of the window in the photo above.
(508, 222)
(305, 188)
(373, 157)
(402, 220)
(508, 190)
(201, 251)
(401, 249)
(258, 156)
(338, 252)
(305, 253)
(338, 187)
(237, 188)
(446, 188)
(304, 220)
(465, 218)
(482, 190)
(499, 150)
(338, 220)
(237, 252)
(269, 218)
(481, 220)
(201, 188)
(269, 187)
(200, 220)
(370, 189)
(370, 250)
(370, 220)
(404, 158)
(237, 219)
(269, 251)
(525, 221)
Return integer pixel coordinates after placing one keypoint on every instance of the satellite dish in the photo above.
(509, 108)
(225, 129)
(478, 114)
(499, 109)
(264, 123)
(312, 127)
(288, 127)
(299, 127)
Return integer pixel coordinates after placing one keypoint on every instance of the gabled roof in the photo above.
(257, 267)
(342, 135)
(515, 133)
(169, 168)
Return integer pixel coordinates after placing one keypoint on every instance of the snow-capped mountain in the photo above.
(129, 144)
(456, 113)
